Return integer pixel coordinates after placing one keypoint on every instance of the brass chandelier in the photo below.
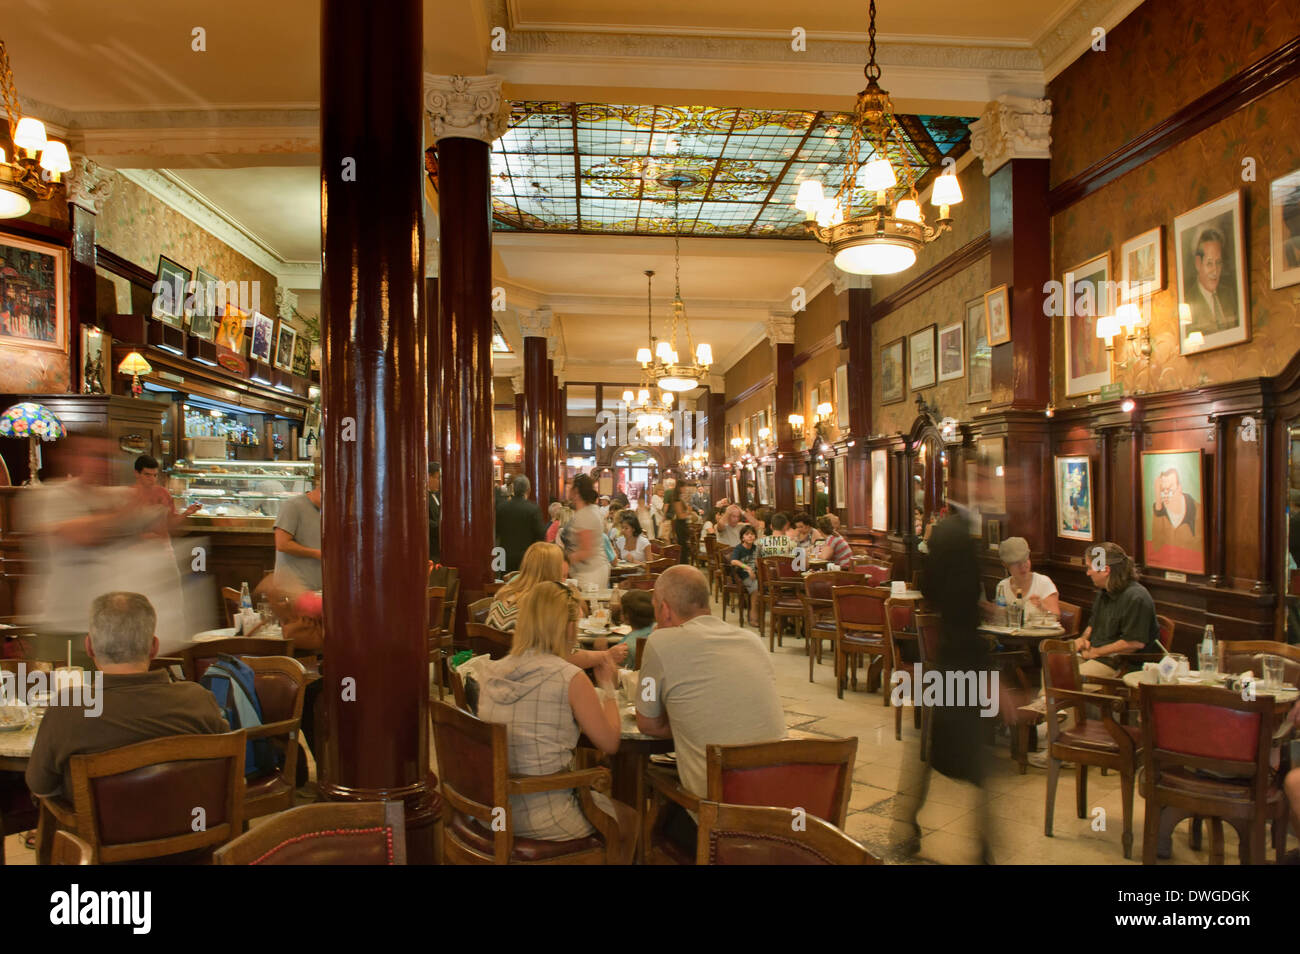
(653, 414)
(37, 164)
(874, 224)
(664, 362)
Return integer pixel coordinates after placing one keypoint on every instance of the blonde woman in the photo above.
(546, 702)
(542, 563)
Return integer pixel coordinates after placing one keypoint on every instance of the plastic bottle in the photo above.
(1209, 651)
(1002, 607)
(245, 597)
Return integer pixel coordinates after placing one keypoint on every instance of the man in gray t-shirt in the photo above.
(297, 539)
(713, 682)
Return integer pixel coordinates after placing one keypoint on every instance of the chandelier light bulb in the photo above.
(644, 356)
(54, 158)
(30, 135)
(877, 176)
(704, 354)
(947, 191)
(666, 397)
(908, 209)
(810, 197)
(663, 351)
(628, 397)
(643, 396)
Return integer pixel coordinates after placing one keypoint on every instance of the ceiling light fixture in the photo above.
(874, 225)
(664, 362)
(37, 164)
(653, 416)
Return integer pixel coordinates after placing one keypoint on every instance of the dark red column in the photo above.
(432, 363)
(552, 430)
(375, 510)
(1019, 236)
(534, 432)
(783, 407)
(717, 446)
(465, 290)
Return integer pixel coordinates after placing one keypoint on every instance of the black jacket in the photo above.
(519, 526)
(435, 527)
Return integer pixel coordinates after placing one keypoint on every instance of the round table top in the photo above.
(229, 632)
(1286, 694)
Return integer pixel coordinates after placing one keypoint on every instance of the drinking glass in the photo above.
(1274, 669)
(1208, 663)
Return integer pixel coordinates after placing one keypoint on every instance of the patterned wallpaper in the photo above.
(1200, 169)
(139, 227)
(942, 306)
(1161, 57)
(752, 367)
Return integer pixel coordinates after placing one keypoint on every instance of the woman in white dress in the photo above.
(582, 536)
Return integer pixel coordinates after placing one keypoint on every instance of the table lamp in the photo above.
(135, 365)
(36, 422)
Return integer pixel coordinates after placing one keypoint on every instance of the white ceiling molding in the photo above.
(301, 275)
(1068, 35)
(747, 344)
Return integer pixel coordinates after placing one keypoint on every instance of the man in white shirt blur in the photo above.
(710, 683)
(728, 529)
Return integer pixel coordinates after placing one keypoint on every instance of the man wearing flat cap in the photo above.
(1123, 616)
(1023, 590)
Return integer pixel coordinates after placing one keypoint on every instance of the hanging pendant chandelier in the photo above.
(665, 363)
(874, 224)
(650, 407)
(37, 164)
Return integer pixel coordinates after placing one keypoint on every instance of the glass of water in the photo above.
(1274, 670)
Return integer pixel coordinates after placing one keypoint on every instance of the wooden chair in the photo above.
(326, 833)
(876, 575)
(478, 610)
(1206, 753)
(903, 656)
(140, 801)
(927, 650)
(230, 600)
(732, 587)
(1247, 655)
(196, 658)
(655, 567)
(819, 610)
(859, 631)
(1102, 742)
(440, 643)
(672, 552)
(481, 638)
(717, 567)
(778, 586)
(474, 761)
(68, 849)
(1071, 614)
(638, 651)
(815, 775)
(281, 685)
(640, 582)
(748, 835)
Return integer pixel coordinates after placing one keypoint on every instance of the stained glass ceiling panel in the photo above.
(588, 167)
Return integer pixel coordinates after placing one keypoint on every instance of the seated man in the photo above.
(777, 542)
(713, 683)
(137, 704)
(1123, 616)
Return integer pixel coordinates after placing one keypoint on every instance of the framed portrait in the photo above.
(880, 489)
(1211, 250)
(169, 292)
(893, 383)
(1173, 510)
(921, 367)
(824, 394)
(302, 356)
(1142, 264)
(842, 397)
(798, 404)
(979, 354)
(840, 472)
(1074, 498)
(284, 344)
(1087, 298)
(96, 355)
(798, 488)
(230, 333)
(203, 317)
(997, 311)
(263, 338)
(33, 295)
(1284, 229)
(952, 352)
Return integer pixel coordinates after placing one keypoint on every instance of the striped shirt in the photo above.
(835, 549)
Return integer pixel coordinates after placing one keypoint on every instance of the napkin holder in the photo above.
(898, 587)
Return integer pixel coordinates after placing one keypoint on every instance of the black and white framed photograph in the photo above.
(263, 341)
(284, 347)
(1284, 229)
(171, 286)
(1213, 307)
(203, 318)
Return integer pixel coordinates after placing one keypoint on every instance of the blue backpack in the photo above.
(231, 681)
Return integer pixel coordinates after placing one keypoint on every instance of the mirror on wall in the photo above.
(929, 490)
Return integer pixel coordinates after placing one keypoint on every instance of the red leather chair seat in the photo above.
(873, 640)
(825, 625)
(1093, 735)
(752, 849)
(343, 847)
(471, 833)
(1193, 783)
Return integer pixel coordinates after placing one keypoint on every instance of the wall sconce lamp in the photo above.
(1130, 321)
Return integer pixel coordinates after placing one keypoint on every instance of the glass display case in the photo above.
(246, 491)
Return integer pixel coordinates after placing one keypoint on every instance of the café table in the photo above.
(627, 765)
(16, 748)
(1025, 639)
(1283, 698)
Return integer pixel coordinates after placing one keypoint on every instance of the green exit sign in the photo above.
(1111, 391)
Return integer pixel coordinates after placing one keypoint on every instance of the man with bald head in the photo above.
(711, 683)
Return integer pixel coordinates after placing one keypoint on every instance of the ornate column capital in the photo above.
(780, 328)
(535, 324)
(1012, 127)
(466, 107)
(286, 302)
(89, 184)
(517, 382)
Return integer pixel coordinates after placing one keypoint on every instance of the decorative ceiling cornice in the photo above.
(1069, 36)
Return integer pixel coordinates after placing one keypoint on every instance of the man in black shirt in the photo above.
(435, 511)
(1123, 616)
(519, 523)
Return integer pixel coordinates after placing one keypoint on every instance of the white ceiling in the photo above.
(279, 205)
